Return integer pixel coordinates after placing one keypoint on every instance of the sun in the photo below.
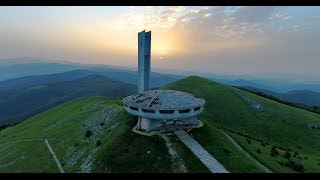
(160, 57)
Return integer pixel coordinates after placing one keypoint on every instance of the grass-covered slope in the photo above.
(255, 123)
(22, 147)
(91, 134)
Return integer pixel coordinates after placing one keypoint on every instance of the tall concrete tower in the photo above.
(144, 51)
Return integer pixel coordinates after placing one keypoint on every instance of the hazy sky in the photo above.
(238, 40)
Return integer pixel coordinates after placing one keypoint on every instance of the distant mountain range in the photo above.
(298, 93)
(304, 97)
(22, 82)
(21, 70)
(21, 67)
(18, 104)
(15, 75)
(18, 75)
(279, 86)
(27, 89)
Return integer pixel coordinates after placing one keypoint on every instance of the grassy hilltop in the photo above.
(93, 134)
(258, 125)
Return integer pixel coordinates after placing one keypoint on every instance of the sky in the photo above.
(229, 40)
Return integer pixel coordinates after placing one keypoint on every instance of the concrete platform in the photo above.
(202, 154)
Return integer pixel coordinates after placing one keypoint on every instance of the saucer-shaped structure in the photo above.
(163, 104)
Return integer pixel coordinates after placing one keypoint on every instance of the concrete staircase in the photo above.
(209, 161)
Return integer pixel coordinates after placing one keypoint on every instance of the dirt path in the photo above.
(245, 153)
(178, 164)
(38, 139)
(54, 156)
(22, 140)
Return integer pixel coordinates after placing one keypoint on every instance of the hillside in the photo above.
(110, 146)
(17, 104)
(258, 124)
(281, 137)
(303, 97)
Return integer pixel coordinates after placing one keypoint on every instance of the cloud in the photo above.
(198, 27)
(214, 29)
(178, 8)
(280, 17)
(217, 24)
(153, 18)
(294, 28)
(316, 19)
(235, 39)
(253, 14)
(252, 36)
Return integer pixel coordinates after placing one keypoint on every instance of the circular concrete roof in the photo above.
(163, 99)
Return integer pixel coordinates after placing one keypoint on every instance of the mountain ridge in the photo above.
(17, 104)
(281, 137)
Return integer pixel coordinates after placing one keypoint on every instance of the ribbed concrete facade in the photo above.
(158, 114)
(144, 52)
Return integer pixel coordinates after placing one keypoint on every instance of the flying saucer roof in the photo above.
(163, 99)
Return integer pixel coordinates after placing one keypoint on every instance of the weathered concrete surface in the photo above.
(207, 159)
(163, 99)
(166, 129)
(144, 53)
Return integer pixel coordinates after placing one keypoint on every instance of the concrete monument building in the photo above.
(144, 51)
(160, 110)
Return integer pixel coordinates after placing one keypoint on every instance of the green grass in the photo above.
(120, 150)
(192, 163)
(274, 161)
(217, 144)
(129, 153)
(132, 152)
(26, 157)
(277, 124)
(64, 126)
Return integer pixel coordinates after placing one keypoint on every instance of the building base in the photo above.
(165, 129)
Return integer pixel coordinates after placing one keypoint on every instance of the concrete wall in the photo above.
(144, 123)
(144, 55)
(158, 115)
(152, 124)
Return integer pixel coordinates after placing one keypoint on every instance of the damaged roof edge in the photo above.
(163, 99)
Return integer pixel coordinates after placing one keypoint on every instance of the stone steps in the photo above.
(207, 159)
